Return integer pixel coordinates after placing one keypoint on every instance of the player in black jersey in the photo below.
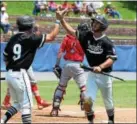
(100, 54)
(18, 56)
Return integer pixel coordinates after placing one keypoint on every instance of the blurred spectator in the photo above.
(3, 4)
(112, 12)
(83, 9)
(52, 6)
(90, 10)
(65, 5)
(4, 23)
(108, 6)
(40, 6)
(36, 9)
(77, 7)
(93, 8)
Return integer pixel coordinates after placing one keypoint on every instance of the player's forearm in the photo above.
(59, 57)
(58, 61)
(50, 37)
(68, 28)
(106, 64)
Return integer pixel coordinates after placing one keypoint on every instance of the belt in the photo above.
(16, 69)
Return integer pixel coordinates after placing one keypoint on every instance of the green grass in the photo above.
(124, 93)
(23, 7)
(122, 37)
(125, 13)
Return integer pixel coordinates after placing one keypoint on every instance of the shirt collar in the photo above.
(99, 37)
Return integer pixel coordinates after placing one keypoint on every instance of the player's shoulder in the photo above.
(107, 40)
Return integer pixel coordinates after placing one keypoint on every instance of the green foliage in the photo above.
(130, 4)
(20, 7)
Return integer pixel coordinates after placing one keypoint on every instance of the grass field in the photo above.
(124, 93)
(26, 7)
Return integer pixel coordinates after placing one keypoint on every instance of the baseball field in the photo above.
(124, 99)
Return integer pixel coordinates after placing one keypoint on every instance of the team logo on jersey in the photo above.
(72, 51)
(94, 49)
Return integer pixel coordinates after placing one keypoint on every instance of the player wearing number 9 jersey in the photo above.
(18, 56)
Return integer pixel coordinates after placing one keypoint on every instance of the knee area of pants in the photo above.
(17, 106)
(108, 105)
(26, 111)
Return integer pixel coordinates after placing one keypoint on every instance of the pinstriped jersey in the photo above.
(21, 48)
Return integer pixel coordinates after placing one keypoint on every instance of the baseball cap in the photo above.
(3, 9)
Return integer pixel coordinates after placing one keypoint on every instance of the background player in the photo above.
(18, 56)
(100, 53)
(74, 55)
(40, 103)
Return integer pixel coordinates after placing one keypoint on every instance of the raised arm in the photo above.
(67, 27)
(51, 36)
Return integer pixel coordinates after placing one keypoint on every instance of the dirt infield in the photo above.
(73, 114)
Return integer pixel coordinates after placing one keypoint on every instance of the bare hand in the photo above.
(60, 14)
(97, 69)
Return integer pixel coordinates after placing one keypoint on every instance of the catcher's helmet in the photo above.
(25, 22)
(101, 19)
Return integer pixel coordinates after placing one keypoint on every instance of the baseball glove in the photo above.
(57, 71)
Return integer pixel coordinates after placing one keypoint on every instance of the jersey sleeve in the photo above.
(38, 40)
(110, 50)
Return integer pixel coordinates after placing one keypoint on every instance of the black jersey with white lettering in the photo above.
(96, 50)
(21, 48)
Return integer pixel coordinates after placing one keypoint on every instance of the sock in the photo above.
(36, 93)
(10, 112)
(90, 117)
(110, 114)
(26, 119)
(7, 97)
(111, 118)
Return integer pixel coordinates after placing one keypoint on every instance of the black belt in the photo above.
(16, 69)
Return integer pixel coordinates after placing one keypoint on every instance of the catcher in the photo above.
(74, 55)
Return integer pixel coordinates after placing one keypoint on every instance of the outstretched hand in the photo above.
(61, 13)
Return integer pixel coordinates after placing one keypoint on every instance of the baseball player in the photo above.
(100, 53)
(18, 56)
(74, 55)
(40, 103)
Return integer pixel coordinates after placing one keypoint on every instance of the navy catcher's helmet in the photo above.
(25, 22)
(102, 20)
